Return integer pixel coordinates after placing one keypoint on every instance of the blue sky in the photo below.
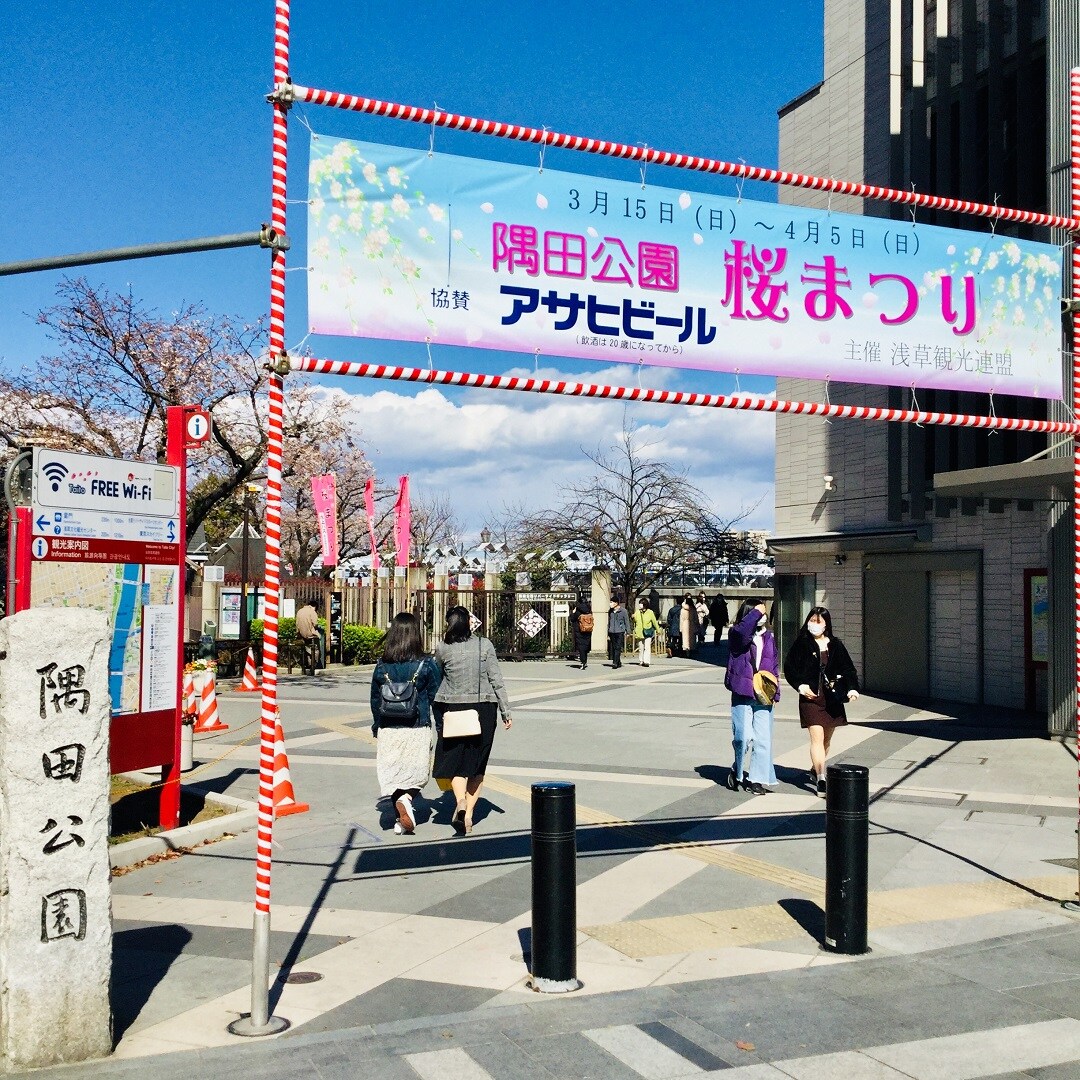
(136, 122)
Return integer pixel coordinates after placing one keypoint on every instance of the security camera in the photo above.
(830, 482)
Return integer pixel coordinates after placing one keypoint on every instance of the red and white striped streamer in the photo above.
(520, 133)
(743, 402)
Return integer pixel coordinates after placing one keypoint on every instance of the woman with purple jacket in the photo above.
(751, 648)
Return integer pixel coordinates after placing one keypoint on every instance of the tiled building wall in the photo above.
(1011, 542)
(954, 609)
(839, 588)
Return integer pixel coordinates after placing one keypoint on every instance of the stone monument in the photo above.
(55, 908)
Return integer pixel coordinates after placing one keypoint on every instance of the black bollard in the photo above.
(847, 839)
(554, 888)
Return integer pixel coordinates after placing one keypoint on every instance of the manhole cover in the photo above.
(302, 977)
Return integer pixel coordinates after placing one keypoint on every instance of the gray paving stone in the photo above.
(506, 1060)
(785, 1019)
(667, 1035)
(1068, 1071)
(573, 1057)
(722, 1048)
(626, 1007)
(146, 987)
(1058, 999)
(343, 1066)
(398, 999)
(1012, 967)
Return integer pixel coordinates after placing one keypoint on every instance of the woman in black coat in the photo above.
(819, 667)
(582, 637)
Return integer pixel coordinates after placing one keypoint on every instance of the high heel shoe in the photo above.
(467, 824)
(459, 818)
(731, 781)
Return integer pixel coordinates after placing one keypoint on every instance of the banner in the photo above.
(369, 509)
(324, 498)
(402, 522)
(413, 246)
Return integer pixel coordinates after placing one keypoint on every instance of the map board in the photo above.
(106, 535)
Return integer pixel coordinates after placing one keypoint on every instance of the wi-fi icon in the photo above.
(54, 472)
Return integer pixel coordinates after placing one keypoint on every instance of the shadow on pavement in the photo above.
(297, 947)
(810, 916)
(144, 955)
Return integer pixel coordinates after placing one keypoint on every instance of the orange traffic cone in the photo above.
(208, 719)
(251, 674)
(284, 796)
(190, 700)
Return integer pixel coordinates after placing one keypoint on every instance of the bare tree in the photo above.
(638, 515)
(117, 370)
(507, 526)
(434, 522)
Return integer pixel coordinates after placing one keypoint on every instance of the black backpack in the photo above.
(399, 702)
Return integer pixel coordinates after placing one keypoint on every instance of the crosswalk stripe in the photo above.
(452, 1064)
(965, 1057)
(645, 1055)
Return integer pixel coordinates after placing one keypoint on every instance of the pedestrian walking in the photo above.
(820, 668)
(618, 626)
(701, 606)
(582, 623)
(674, 633)
(467, 706)
(718, 616)
(753, 677)
(688, 622)
(403, 686)
(646, 627)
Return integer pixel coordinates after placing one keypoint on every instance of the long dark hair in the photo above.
(584, 606)
(745, 608)
(823, 614)
(402, 641)
(457, 625)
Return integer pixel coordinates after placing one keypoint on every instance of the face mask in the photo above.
(816, 628)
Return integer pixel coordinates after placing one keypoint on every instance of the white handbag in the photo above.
(461, 723)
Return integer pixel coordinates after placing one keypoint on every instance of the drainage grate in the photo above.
(302, 977)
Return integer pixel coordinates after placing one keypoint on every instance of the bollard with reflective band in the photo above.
(554, 888)
(847, 838)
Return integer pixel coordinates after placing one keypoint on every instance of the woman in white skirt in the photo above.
(403, 686)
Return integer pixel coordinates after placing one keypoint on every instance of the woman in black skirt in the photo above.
(471, 680)
(819, 667)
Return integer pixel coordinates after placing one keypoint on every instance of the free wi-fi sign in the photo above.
(83, 482)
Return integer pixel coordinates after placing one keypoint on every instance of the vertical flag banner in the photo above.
(412, 246)
(324, 497)
(369, 508)
(402, 522)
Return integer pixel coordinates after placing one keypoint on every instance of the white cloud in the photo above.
(487, 448)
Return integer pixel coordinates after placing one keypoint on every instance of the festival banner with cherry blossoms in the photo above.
(412, 246)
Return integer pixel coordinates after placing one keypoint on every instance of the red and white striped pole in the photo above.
(259, 1022)
(1074, 154)
(742, 402)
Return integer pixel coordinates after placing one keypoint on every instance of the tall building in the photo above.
(944, 554)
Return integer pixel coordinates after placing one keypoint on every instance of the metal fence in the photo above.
(523, 624)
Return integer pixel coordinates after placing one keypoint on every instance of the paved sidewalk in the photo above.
(700, 911)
